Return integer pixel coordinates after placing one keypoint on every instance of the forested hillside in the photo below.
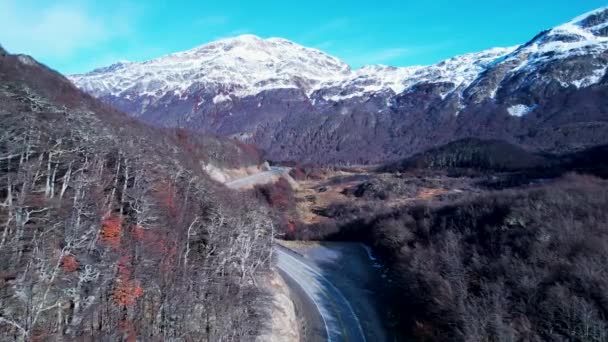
(110, 230)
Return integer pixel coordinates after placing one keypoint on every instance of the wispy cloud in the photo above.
(323, 29)
(324, 45)
(357, 58)
(58, 30)
(212, 20)
(385, 55)
(390, 55)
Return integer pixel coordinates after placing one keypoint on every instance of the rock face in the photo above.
(301, 104)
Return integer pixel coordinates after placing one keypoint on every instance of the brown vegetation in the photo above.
(527, 264)
(110, 229)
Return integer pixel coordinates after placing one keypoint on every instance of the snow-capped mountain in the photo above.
(459, 71)
(295, 101)
(248, 65)
(241, 66)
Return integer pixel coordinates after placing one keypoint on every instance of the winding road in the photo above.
(340, 321)
(259, 178)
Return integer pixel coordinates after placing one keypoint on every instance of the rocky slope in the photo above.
(299, 103)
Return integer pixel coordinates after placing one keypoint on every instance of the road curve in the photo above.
(265, 177)
(341, 322)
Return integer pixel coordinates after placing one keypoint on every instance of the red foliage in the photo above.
(69, 263)
(279, 195)
(139, 233)
(184, 139)
(249, 150)
(291, 226)
(128, 328)
(124, 267)
(111, 230)
(149, 237)
(297, 173)
(126, 290)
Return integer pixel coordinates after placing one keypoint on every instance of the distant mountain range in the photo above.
(549, 94)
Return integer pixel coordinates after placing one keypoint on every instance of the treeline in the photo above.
(475, 154)
(478, 156)
(110, 230)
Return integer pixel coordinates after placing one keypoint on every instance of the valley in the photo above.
(255, 189)
(396, 209)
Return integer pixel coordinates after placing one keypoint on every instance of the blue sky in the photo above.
(76, 35)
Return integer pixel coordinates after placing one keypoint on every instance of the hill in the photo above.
(111, 230)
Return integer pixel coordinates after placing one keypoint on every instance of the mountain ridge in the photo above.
(389, 77)
(294, 101)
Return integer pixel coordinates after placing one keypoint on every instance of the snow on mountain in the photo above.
(460, 71)
(520, 110)
(245, 65)
(583, 36)
(299, 103)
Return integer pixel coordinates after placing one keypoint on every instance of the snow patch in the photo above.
(244, 136)
(220, 98)
(592, 79)
(520, 110)
(27, 60)
(371, 256)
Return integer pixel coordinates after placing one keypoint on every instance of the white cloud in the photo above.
(55, 31)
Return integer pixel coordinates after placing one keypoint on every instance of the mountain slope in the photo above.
(299, 103)
(111, 229)
(494, 155)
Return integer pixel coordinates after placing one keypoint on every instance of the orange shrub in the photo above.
(126, 292)
(111, 230)
(69, 263)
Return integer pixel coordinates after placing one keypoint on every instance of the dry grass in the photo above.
(427, 194)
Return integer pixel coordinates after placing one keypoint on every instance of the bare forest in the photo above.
(110, 230)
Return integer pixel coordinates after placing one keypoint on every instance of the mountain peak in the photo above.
(246, 64)
(589, 26)
(249, 41)
(597, 17)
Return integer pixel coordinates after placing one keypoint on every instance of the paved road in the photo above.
(259, 178)
(340, 321)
